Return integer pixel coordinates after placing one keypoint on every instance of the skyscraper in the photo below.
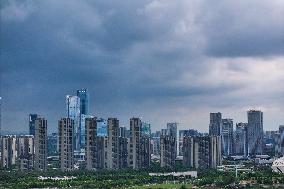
(227, 137)
(101, 127)
(139, 148)
(91, 144)
(8, 151)
(182, 134)
(32, 118)
(84, 113)
(255, 132)
(215, 126)
(168, 143)
(112, 150)
(40, 143)
(202, 152)
(25, 151)
(240, 139)
(66, 143)
(84, 101)
(0, 118)
(73, 112)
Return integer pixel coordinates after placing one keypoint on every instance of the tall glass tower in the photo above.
(73, 112)
(32, 119)
(84, 101)
(84, 112)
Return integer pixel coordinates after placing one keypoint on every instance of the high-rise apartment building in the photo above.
(227, 137)
(40, 144)
(52, 144)
(215, 125)
(182, 134)
(91, 144)
(66, 143)
(0, 118)
(139, 144)
(240, 139)
(8, 151)
(73, 112)
(168, 143)
(280, 141)
(102, 127)
(25, 151)
(255, 132)
(112, 149)
(155, 143)
(202, 152)
(32, 118)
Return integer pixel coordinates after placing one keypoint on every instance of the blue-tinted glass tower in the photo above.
(32, 119)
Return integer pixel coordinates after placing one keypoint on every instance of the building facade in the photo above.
(139, 144)
(240, 139)
(112, 146)
(9, 151)
(227, 137)
(202, 152)
(40, 144)
(66, 143)
(73, 112)
(25, 151)
(255, 132)
(182, 134)
(215, 125)
(32, 119)
(168, 142)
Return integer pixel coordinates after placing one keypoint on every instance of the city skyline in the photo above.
(162, 61)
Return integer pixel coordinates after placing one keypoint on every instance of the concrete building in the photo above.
(139, 144)
(9, 151)
(32, 119)
(279, 148)
(155, 143)
(215, 125)
(52, 144)
(227, 137)
(182, 134)
(73, 112)
(168, 142)
(255, 132)
(112, 146)
(40, 144)
(101, 127)
(66, 143)
(202, 152)
(25, 151)
(91, 144)
(240, 139)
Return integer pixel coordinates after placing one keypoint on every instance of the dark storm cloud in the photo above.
(135, 57)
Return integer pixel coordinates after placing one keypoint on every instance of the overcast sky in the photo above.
(161, 60)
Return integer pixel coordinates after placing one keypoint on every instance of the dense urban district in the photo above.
(92, 152)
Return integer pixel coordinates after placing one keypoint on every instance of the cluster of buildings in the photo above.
(92, 143)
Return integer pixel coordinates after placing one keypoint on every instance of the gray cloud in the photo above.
(163, 60)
